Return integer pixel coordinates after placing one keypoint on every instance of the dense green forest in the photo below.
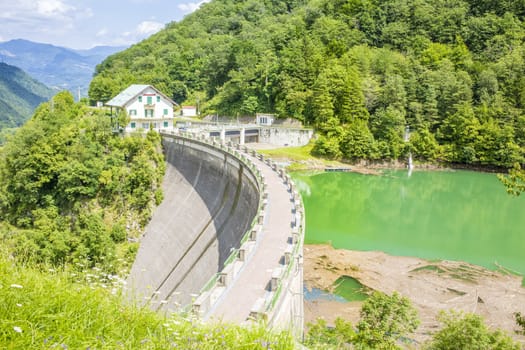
(359, 71)
(19, 96)
(74, 192)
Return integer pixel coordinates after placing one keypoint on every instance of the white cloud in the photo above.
(191, 6)
(102, 32)
(149, 27)
(53, 8)
(40, 20)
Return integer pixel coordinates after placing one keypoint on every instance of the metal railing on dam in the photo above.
(226, 243)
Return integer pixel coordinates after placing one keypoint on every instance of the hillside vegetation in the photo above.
(359, 71)
(72, 192)
(19, 96)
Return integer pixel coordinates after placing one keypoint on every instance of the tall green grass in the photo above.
(65, 310)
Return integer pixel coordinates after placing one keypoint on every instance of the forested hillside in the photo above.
(359, 71)
(72, 192)
(19, 96)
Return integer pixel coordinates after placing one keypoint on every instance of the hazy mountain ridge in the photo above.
(20, 94)
(57, 67)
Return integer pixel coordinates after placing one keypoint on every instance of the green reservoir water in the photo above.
(452, 215)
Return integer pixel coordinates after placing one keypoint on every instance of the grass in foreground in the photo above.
(61, 310)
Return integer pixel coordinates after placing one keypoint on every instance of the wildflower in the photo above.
(16, 286)
(19, 305)
(17, 329)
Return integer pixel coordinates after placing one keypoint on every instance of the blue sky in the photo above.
(82, 24)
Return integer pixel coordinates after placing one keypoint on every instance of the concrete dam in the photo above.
(226, 242)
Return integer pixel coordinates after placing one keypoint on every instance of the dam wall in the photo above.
(226, 243)
(210, 201)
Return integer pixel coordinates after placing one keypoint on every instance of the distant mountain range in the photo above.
(19, 95)
(58, 67)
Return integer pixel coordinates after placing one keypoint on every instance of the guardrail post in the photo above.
(295, 236)
(260, 218)
(242, 254)
(253, 234)
(276, 278)
(257, 310)
(288, 255)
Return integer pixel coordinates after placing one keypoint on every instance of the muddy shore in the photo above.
(431, 287)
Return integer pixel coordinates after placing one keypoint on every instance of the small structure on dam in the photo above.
(226, 243)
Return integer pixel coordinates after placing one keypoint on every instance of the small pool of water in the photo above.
(350, 289)
(346, 289)
(314, 294)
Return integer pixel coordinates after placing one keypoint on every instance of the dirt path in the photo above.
(431, 286)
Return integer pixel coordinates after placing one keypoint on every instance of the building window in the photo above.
(133, 125)
(165, 111)
(158, 98)
(165, 124)
(132, 112)
(145, 126)
(154, 125)
(140, 98)
(150, 100)
(148, 113)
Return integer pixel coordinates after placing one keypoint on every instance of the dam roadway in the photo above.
(226, 242)
(252, 283)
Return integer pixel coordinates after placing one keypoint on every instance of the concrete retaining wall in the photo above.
(211, 199)
(285, 136)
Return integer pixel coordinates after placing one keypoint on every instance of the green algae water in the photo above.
(350, 289)
(446, 215)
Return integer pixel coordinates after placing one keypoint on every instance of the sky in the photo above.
(83, 24)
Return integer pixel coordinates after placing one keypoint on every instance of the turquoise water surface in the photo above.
(452, 215)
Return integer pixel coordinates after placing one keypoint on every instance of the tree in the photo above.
(384, 320)
(339, 336)
(357, 141)
(468, 332)
(515, 181)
